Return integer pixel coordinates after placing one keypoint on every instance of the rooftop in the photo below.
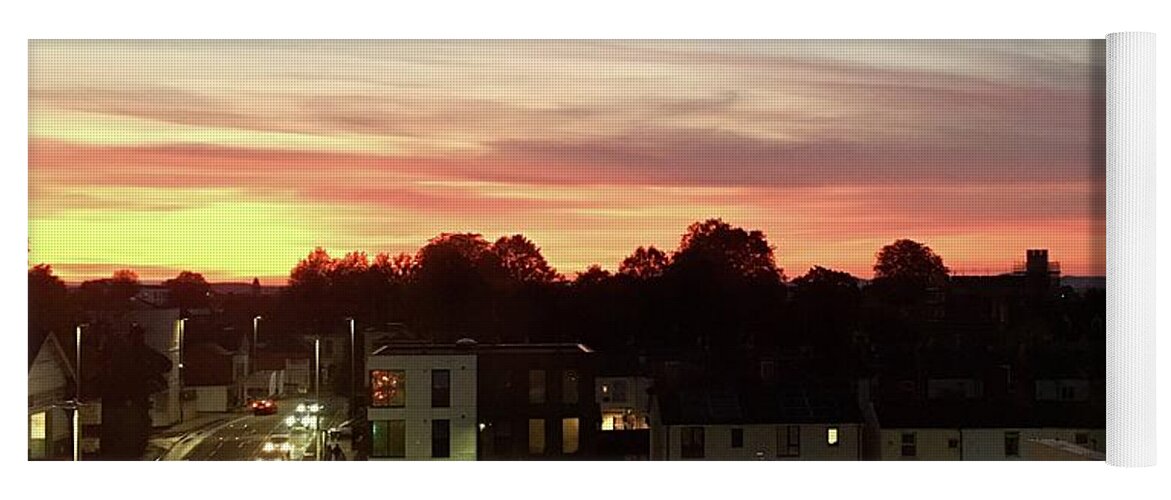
(424, 348)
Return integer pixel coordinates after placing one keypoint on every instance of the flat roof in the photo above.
(420, 348)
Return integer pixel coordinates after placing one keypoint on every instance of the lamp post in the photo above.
(317, 394)
(255, 335)
(77, 400)
(353, 366)
(182, 330)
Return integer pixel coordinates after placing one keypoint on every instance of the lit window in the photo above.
(388, 388)
(536, 436)
(831, 436)
(36, 426)
(569, 435)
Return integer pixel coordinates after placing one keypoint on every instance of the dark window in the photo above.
(569, 384)
(440, 388)
(953, 443)
(536, 436)
(910, 448)
(388, 388)
(440, 438)
(692, 442)
(536, 386)
(789, 441)
(388, 438)
(737, 438)
(618, 391)
(1012, 444)
(502, 438)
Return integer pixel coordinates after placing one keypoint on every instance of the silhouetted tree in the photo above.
(110, 293)
(593, 275)
(188, 290)
(522, 260)
(350, 283)
(645, 263)
(309, 290)
(130, 372)
(730, 250)
(454, 282)
(48, 305)
(905, 269)
(725, 290)
(826, 305)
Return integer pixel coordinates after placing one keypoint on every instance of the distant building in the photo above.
(215, 377)
(789, 423)
(982, 431)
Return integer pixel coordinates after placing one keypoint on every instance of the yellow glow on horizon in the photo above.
(240, 238)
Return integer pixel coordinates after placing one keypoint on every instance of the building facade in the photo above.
(470, 401)
(422, 404)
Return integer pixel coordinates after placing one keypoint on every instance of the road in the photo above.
(244, 438)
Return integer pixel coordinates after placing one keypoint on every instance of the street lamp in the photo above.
(76, 404)
(353, 366)
(317, 394)
(255, 335)
(182, 330)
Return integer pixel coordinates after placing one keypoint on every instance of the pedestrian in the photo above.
(338, 454)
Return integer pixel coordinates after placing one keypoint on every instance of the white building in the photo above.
(50, 382)
(774, 424)
(162, 331)
(423, 404)
(985, 432)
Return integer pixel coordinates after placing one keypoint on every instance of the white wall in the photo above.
(930, 444)
(988, 444)
(161, 333)
(760, 443)
(977, 444)
(417, 410)
(211, 399)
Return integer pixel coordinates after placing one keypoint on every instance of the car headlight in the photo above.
(314, 408)
(301, 408)
(290, 420)
(269, 446)
(287, 447)
(307, 421)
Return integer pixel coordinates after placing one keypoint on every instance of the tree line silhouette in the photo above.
(720, 291)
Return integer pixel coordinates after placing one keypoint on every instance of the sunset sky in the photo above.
(236, 158)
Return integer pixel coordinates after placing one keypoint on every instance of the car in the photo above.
(310, 406)
(263, 407)
(276, 447)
